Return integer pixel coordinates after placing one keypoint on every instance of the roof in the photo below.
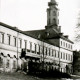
(47, 35)
(43, 34)
(53, 2)
(35, 33)
(10, 27)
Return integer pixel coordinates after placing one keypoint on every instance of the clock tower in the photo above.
(52, 16)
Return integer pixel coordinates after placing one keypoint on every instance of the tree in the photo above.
(77, 30)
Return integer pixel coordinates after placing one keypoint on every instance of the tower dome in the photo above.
(53, 1)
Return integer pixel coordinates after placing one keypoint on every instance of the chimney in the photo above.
(15, 27)
(61, 34)
(66, 36)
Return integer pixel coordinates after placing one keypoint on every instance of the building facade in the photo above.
(48, 45)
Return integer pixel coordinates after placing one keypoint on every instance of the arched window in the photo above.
(14, 64)
(54, 13)
(54, 21)
(8, 61)
(1, 60)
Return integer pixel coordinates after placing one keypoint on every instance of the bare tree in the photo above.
(77, 30)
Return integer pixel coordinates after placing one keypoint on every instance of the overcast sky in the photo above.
(31, 14)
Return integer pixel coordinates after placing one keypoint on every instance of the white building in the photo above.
(48, 45)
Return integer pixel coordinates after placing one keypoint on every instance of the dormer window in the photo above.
(39, 36)
(48, 33)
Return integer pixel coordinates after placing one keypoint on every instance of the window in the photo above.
(2, 37)
(54, 21)
(66, 56)
(1, 62)
(52, 52)
(58, 13)
(25, 43)
(49, 12)
(49, 21)
(20, 43)
(14, 64)
(71, 58)
(46, 50)
(48, 33)
(49, 51)
(58, 54)
(71, 46)
(35, 47)
(61, 55)
(54, 13)
(9, 39)
(7, 65)
(55, 53)
(30, 46)
(15, 41)
(58, 21)
(66, 45)
(43, 50)
(39, 49)
(61, 43)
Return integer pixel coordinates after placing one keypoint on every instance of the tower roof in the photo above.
(53, 1)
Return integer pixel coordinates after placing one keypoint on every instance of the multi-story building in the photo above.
(48, 45)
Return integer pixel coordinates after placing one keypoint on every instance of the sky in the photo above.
(32, 15)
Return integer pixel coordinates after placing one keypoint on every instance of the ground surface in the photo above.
(22, 76)
(19, 76)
